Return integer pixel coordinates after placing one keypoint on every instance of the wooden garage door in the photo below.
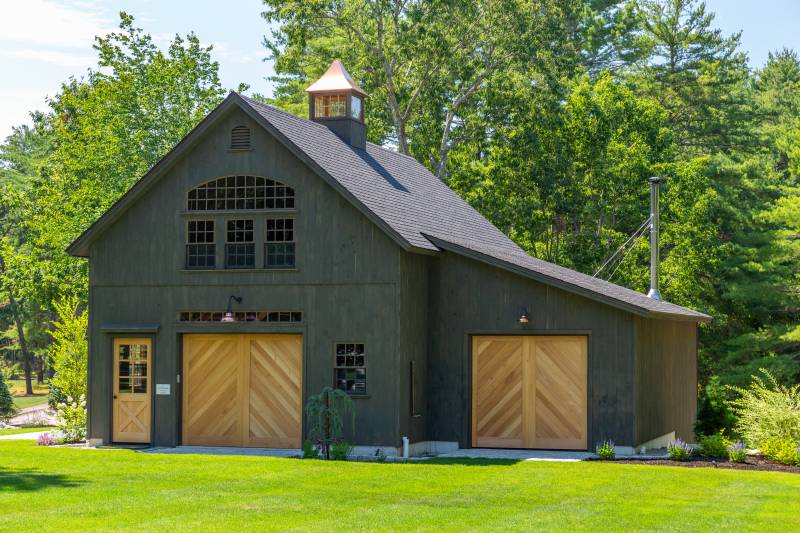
(529, 392)
(242, 390)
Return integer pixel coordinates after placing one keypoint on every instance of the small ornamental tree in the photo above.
(326, 412)
(7, 408)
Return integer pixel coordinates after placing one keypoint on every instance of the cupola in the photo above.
(338, 102)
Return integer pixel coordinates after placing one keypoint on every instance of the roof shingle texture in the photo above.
(414, 203)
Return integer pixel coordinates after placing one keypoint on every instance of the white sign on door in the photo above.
(162, 388)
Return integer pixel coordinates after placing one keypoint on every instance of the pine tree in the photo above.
(7, 408)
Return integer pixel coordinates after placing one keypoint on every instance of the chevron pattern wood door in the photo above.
(242, 390)
(561, 393)
(213, 390)
(276, 381)
(497, 398)
(131, 401)
(529, 392)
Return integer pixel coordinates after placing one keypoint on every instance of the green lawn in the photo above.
(17, 388)
(24, 430)
(64, 489)
(29, 401)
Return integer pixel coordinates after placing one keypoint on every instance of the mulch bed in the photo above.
(752, 463)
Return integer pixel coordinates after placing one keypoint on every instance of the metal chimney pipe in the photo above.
(655, 183)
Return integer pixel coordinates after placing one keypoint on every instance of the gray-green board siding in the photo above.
(666, 378)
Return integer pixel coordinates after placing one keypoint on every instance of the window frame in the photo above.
(292, 242)
(226, 262)
(336, 367)
(213, 243)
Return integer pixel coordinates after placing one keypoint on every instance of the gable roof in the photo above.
(401, 196)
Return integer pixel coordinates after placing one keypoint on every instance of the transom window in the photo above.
(240, 250)
(200, 248)
(242, 316)
(350, 370)
(330, 105)
(279, 245)
(240, 192)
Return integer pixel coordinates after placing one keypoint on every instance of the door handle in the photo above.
(115, 396)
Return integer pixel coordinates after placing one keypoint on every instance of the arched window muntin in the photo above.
(241, 192)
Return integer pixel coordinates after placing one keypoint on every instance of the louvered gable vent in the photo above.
(240, 138)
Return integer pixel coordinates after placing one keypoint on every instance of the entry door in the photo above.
(529, 392)
(242, 390)
(132, 376)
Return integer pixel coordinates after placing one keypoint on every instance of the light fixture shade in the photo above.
(228, 317)
(523, 318)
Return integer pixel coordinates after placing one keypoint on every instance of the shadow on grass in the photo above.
(471, 461)
(32, 480)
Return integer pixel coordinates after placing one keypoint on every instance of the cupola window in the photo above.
(330, 105)
(355, 107)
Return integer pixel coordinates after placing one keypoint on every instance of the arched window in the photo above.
(240, 192)
(240, 138)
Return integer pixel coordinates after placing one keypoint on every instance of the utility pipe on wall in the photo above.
(405, 447)
(655, 183)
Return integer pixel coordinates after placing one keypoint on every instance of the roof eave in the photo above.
(561, 284)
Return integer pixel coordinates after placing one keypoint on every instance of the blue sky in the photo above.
(43, 42)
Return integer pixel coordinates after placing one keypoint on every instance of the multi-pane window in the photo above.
(132, 368)
(330, 105)
(200, 248)
(240, 192)
(242, 316)
(350, 370)
(240, 250)
(279, 246)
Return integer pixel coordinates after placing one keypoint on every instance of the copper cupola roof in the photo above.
(335, 79)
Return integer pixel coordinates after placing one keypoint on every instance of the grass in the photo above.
(21, 400)
(66, 489)
(18, 431)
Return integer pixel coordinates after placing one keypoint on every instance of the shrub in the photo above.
(713, 413)
(737, 452)
(605, 450)
(71, 419)
(55, 396)
(325, 412)
(46, 439)
(69, 351)
(767, 410)
(7, 408)
(679, 451)
(782, 451)
(713, 446)
(341, 450)
(310, 451)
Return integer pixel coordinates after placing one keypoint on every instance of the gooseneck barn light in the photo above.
(229, 312)
(524, 317)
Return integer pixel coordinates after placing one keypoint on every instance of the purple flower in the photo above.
(45, 439)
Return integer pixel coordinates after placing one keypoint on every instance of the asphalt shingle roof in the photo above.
(426, 214)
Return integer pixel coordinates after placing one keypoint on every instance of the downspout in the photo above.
(655, 183)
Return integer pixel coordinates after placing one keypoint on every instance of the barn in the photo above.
(268, 256)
